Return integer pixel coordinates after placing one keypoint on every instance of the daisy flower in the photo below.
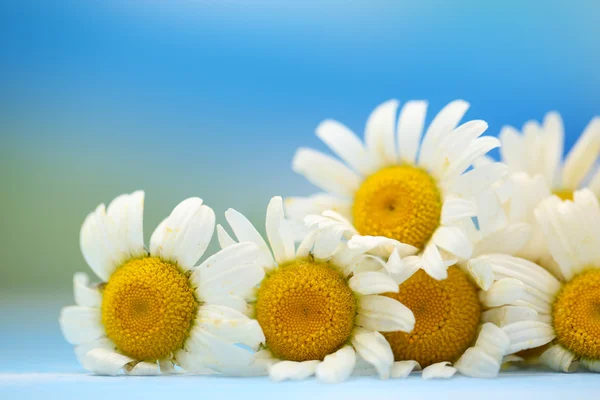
(558, 310)
(394, 187)
(155, 309)
(534, 159)
(316, 304)
(453, 329)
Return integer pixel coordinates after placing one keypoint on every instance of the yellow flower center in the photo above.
(400, 202)
(564, 194)
(306, 310)
(576, 315)
(148, 308)
(447, 315)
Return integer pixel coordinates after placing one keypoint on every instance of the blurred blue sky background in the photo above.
(211, 98)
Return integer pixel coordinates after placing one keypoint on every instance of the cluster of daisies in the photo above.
(421, 254)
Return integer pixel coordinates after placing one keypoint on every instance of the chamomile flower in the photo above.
(395, 187)
(316, 304)
(451, 321)
(155, 309)
(534, 158)
(557, 310)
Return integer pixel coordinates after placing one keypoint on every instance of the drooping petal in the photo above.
(338, 366)
(441, 370)
(559, 359)
(384, 314)
(374, 349)
(528, 335)
(401, 369)
(293, 370)
(370, 282)
(142, 368)
(230, 325)
(105, 362)
(454, 241)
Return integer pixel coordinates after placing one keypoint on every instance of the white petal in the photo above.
(374, 349)
(477, 363)
(401, 369)
(505, 315)
(513, 149)
(293, 370)
(505, 241)
(127, 211)
(343, 142)
(102, 343)
(582, 156)
(86, 295)
(592, 365)
(224, 239)
(454, 241)
(559, 359)
(410, 128)
(262, 361)
(232, 271)
(191, 363)
(443, 123)
(554, 137)
(326, 244)
(452, 146)
(365, 263)
(439, 370)
(230, 325)
(475, 150)
(490, 212)
(325, 172)
(455, 208)
(307, 244)
(525, 335)
(184, 235)
(510, 291)
(105, 362)
(410, 265)
(296, 208)
(477, 179)
(481, 271)
(380, 246)
(142, 369)
(379, 133)
(338, 366)
(246, 232)
(81, 324)
(493, 341)
(208, 350)
(279, 232)
(594, 184)
(367, 283)
(384, 314)
(433, 263)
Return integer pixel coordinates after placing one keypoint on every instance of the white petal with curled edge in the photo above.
(232, 271)
(592, 365)
(279, 232)
(409, 130)
(374, 349)
(246, 232)
(454, 241)
(493, 340)
(338, 366)
(86, 295)
(380, 133)
(105, 362)
(384, 314)
(293, 370)
(439, 370)
(184, 235)
(191, 363)
(505, 315)
(367, 283)
(525, 335)
(381, 246)
(559, 359)
(81, 324)
(477, 363)
(481, 271)
(230, 325)
(410, 265)
(142, 368)
(343, 142)
(401, 369)
(326, 172)
(82, 349)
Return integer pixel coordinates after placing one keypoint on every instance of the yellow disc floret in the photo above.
(400, 202)
(564, 194)
(576, 315)
(306, 310)
(148, 308)
(447, 314)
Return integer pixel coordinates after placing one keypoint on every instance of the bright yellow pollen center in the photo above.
(306, 310)
(564, 194)
(576, 315)
(400, 202)
(447, 314)
(148, 308)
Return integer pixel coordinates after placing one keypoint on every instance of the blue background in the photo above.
(211, 99)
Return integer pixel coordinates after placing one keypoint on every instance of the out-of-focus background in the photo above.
(211, 99)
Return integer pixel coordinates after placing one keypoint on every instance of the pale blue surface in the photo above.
(35, 361)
